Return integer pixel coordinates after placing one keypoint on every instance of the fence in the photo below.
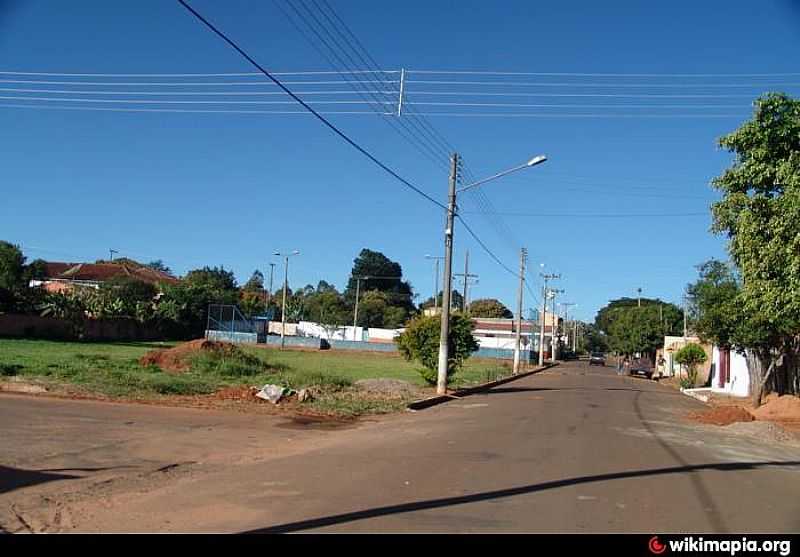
(226, 323)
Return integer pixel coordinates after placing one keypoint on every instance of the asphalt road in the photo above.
(572, 449)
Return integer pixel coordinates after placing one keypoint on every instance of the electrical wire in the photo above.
(324, 120)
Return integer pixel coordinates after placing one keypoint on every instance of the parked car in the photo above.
(641, 366)
(597, 359)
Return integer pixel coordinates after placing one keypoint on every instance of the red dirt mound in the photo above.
(723, 415)
(779, 408)
(237, 393)
(178, 358)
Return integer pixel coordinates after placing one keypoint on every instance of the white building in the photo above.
(729, 373)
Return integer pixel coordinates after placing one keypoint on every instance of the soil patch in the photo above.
(763, 431)
(779, 408)
(390, 387)
(722, 415)
(179, 358)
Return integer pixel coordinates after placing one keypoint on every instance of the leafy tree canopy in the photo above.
(490, 308)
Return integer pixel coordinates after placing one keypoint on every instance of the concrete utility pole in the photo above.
(639, 291)
(523, 256)
(466, 276)
(269, 292)
(545, 294)
(286, 257)
(441, 379)
(435, 281)
(112, 252)
(555, 292)
(575, 338)
(566, 306)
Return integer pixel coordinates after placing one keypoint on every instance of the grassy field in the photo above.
(112, 369)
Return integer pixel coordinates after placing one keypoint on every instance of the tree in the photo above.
(592, 339)
(255, 283)
(375, 264)
(759, 213)
(456, 300)
(12, 267)
(489, 308)
(15, 277)
(713, 304)
(630, 328)
(420, 341)
(159, 265)
(691, 356)
(124, 296)
(212, 278)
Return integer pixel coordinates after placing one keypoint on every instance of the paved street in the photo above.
(573, 449)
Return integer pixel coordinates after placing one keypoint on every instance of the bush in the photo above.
(420, 341)
(691, 356)
(235, 363)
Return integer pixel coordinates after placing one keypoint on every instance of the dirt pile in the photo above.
(179, 358)
(722, 415)
(389, 387)
(784, 408)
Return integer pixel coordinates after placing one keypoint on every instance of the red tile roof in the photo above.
(101, 272)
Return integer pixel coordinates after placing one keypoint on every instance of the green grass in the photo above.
(112, 369)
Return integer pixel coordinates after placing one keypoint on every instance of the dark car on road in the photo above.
(641, 366)
(597, 359)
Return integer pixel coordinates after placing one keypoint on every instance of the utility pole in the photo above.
(575, 338)
(523, 256)
(441, 380)
(555, 292)
(269, 292)
(436, 284)
(566, 306)
(112, 252)
(684, 318)
(286, 257)
(355, 310)
(466, 276)
(639, 290)
(545, 294)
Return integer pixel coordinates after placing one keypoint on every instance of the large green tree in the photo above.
(489, 307)
(759, 213)
(631, 325)
(384, 275)
(15, 277)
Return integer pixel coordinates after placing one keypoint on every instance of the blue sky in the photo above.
(229, 189)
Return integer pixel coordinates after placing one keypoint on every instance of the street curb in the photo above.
(461, 393)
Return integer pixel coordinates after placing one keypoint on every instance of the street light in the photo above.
(358, 288)
(441, 382)
(437, 258)
(286, 257)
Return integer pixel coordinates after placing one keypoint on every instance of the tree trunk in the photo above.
(755, 365)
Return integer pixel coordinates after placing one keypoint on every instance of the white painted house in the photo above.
(729, 373)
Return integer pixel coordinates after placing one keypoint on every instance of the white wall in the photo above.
(738, 383)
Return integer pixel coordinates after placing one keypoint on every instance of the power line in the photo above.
(310, 109)
(175, 83)
(185, 111)
(612, 85)
(485, 248)
(142, 101)
(605, 215)
(228, 74)
(574, 74)
(399, 127)
(175, 93)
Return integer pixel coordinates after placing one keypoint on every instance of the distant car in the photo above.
(597, 359)
(641, 366)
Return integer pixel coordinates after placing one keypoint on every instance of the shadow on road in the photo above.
(510, 492)
(16, 478)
